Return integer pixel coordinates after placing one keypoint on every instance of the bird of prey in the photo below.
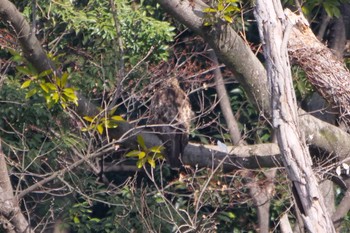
(170, 112)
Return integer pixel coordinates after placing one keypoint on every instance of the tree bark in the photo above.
(274, 30)
(324, 70)
(9, 206)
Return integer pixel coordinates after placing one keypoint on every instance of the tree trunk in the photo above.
(274, 30)
(9, 207)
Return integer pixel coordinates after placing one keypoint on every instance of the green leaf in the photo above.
(24, 70)
(117, 118)
(76, 219)
(157, 149)
(134, 153)
(141, 142)
(140, 163)
(45, 73)
(142, 154)
(111, 124)
(64, 79)
(88, 118)
(100, 128)
(151, 162)
(69, 90)
(51, 86)
(44, 87)
(231, 9)
(26, 84)
(228, 19)
(209, 10)
(31, 93)
(221, 6)
(55, 97)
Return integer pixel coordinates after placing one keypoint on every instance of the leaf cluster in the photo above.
(224, 10)
(146, 155)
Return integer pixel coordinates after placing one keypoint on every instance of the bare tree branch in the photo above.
(9, 206)
(225, 105)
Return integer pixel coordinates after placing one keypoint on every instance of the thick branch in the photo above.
(324, 70)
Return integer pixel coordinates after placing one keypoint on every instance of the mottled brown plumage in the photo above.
(171, 111)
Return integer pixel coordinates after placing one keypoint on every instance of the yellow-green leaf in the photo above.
(140, 163)
(228, 18)
(141, 154)
(231, 9)
(55, 97)
(221, 6)
(24, 70)
(70, 95)
(100, 128)
(209, 10)
(26, 84)
(158, 156)
(88, 118)
(134, 153)
(44, 87)
(76, 219)
(117, 118)
(64, 105)
(112, 111)
(51, 86)
(45, 73)
(156, 149)
(141, 142)
(87, 128)
(31, 93)
(111, 124)
(69, 90)
(151, 162)
(64, 79)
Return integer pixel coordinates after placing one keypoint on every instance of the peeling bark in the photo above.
(274, 30)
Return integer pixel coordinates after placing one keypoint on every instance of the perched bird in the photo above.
(170, 112)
